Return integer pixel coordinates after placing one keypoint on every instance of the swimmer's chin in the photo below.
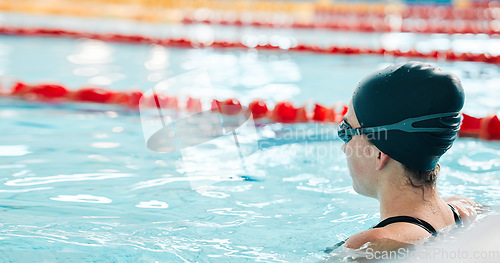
(363, 192)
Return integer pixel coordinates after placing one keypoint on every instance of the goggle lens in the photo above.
(342, 132)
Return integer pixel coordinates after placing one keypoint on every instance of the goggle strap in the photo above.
(407, 124)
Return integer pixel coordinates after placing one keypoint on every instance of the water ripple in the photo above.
(105, 145)
(162, 181)
(52, 239)
(214, 194)
(13, 150)
(234, 223)
(350, 218)
(152, 204)
(263, 204)
(65, 178)
(347, 189)
(489, 163)
(298, 178)
(231, 212)
(82, 198)
(25, 190)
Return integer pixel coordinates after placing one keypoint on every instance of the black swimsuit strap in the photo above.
(456, 215)
(419, 222)
(408, 219)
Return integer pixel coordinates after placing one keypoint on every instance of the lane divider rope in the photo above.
(413, 19)
(487, 128)
(186, 43)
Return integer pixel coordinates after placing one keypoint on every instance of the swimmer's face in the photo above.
(360, 154)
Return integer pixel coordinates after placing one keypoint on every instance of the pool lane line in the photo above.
(448, 55)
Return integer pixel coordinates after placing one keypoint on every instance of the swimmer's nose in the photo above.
(343, 147)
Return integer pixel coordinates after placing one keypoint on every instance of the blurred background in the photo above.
(78, 183)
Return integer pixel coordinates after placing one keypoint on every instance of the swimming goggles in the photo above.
(346, 131)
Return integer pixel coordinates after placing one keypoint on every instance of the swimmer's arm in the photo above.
(467, 208)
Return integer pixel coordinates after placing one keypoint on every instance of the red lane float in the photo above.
(193, 105)
(55, 93)
(324, 114)
(40, 91)
(161, 101)
(258, 108)
(228, 107)
(490, 128)
(49, 91)
(134, 98)
(487, 128)
(184, 43)
(284, 112)
(321, 113)
(97, 95)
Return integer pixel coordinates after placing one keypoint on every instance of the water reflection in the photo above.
(91, 52)
(14, 150)
(83, 198)
(152, 204)
(105, 145)
(158, 59)
(64, 178)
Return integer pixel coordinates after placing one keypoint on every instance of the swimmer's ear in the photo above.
(381, 161)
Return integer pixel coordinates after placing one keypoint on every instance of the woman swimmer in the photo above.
(400, 121)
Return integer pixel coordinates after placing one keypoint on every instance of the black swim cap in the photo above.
(403, 91)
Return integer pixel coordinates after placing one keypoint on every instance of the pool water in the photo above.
(79, 184)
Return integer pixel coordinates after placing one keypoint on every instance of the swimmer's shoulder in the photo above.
(466, 207)
(359, 239)
(376, 239)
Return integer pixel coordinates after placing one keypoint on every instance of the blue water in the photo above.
(78, 182)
